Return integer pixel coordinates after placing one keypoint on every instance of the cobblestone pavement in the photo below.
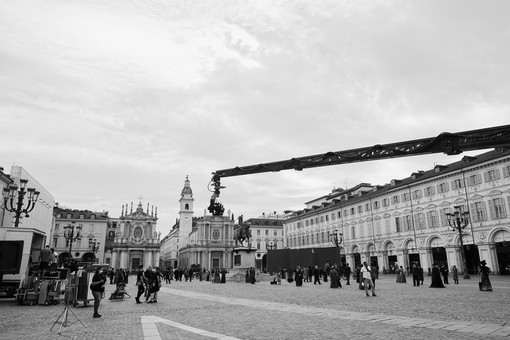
(202, 310)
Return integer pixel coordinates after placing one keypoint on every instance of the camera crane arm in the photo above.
(446, 142)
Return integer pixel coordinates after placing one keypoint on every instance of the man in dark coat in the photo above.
(347, 272)
(316, 275)
(416, 276)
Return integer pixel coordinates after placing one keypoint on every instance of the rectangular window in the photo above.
(387, 226)
(442, 188)
(474, 179)
(322, 219)
(405, 197)
(432, 219)
(55, 240)
(506, 171)
(267, 232)
(478, 211)
(407, 222)
(420, 221)
(491, 175)
(360, 209)
(340, 214)
(442, 216)
(385, 202)
(378, 228)
(367, 206)
(395, 199)
(327, 218)
(417, 194)
(457, 184)
(276, 233)
(497, 208)
(311, 221)
(258, 232)
(397, 224)
(361, 229)
(429, 191)
(332, 216)
(353, 233)
(353, 211)
(376, 204)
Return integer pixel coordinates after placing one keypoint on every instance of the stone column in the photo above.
(385, 261)
(156, 258)
(426, 260)
(122, 263)
(405, 258)
(149, 258)
(115, 256)
(493, 263)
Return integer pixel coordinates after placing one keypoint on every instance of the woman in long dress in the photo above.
(335, 278)
(484, 277)
(299, 276)
(436, 277)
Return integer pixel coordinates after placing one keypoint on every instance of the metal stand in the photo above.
(65, 313)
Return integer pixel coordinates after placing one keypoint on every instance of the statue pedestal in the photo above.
(244, 258)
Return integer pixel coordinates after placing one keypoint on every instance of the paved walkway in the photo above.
(203, 311)
(463, 327)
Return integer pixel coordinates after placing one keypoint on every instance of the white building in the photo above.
(41, 217)
(405, 221)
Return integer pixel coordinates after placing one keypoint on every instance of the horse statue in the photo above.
(242, 233)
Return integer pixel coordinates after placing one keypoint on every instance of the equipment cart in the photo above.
(79, 287)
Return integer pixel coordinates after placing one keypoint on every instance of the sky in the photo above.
(104, 102)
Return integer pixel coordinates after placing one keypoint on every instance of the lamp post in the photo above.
(94, 247)
(337, 239)
(71, 235)
(458, 221)
(18, 208)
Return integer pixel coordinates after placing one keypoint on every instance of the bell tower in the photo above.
(186, 214)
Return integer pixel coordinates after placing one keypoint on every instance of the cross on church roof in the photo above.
(140, 198)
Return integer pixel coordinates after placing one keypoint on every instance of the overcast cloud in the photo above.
(104, 101)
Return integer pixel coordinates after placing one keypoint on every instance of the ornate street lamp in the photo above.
(94, 247)
(458, 221)
(336, 239)
(71, 235)
(18, 208)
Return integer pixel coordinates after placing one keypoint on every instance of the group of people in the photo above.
(438, 271)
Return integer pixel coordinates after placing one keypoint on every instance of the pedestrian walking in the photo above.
(375, 274)
(316, 275)
(444, 272)
(140, 284)
(436, 277)
(97, 289)
(299, 276)
(485, 283)
(334, 277)
(366, 273)
(347, 273)
(416, 276)
(455, 274)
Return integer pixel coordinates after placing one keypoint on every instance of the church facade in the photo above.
(207, 240)
(136, 241)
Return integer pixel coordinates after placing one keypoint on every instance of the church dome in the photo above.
(187, 189)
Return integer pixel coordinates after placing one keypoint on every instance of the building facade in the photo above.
(89, 245)
(206, 240)
(405, 222)
(136, 240)
(266, 233)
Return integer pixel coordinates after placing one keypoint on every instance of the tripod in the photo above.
(65, 313)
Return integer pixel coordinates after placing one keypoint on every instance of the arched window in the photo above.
(186, 206)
